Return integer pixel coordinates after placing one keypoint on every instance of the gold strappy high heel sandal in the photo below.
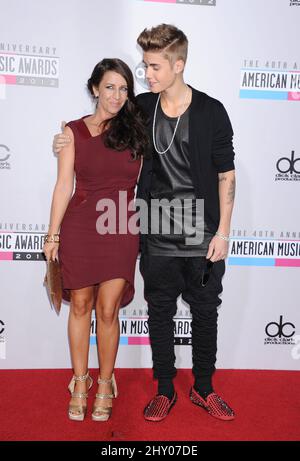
(101, 413)
(78, 412)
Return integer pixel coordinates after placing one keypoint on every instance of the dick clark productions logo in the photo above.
(288, 165)
(279, 330)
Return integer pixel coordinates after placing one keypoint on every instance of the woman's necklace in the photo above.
(177, 122)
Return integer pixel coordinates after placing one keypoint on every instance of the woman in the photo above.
(98, 269)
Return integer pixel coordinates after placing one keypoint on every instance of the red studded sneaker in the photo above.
(159, 407)
(213, 404)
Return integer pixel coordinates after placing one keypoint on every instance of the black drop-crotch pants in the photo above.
(165, 278)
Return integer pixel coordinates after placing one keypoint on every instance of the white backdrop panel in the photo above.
(224, 39)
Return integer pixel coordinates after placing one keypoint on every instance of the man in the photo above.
(192, 158)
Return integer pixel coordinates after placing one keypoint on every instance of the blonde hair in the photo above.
(165, 38)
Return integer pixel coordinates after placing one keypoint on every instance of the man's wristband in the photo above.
(223, 237)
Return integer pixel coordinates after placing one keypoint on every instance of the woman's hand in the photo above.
(51, 250)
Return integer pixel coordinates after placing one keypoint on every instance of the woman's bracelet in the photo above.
(52, 238)
(223, 237)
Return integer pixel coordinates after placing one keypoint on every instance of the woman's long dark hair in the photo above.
(127, 130)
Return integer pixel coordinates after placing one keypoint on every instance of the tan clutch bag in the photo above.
(53, 282)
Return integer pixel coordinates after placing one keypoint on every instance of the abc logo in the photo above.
(274, 329)
(3, 153)
(140, 75)
(287, 165)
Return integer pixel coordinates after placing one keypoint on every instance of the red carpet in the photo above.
(267, 405)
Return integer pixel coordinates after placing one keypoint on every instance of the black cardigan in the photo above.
(211, 150)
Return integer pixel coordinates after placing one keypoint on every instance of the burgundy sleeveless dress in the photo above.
(86, 256)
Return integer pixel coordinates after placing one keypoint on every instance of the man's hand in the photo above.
(60, 140)
(218, 249)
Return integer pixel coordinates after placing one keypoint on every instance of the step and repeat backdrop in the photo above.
(245, 54)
